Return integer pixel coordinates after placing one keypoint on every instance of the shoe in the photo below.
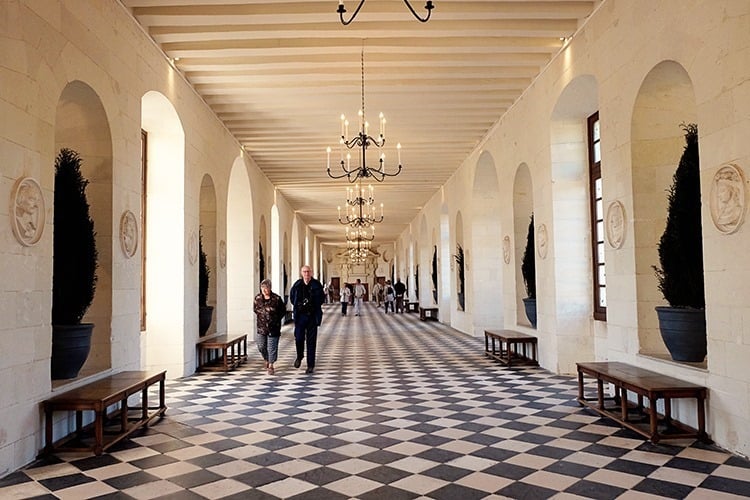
(309, 370)
(270, 370)
(297, 362)
(266, 364)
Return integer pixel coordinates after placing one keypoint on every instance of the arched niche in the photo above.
(167, 240)
(523, 208)
(665, 100)
(486, 246)
(207, 221)
(571, 215)
(81, 124)
(241, 275)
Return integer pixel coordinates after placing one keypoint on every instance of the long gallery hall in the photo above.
(397, 409)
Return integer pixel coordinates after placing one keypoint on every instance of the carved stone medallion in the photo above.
(541, 241)
(615, 224)
(506, 249)
(27, 211)
(223, 254)
(128, 233)
(727, 199)
(193, 247)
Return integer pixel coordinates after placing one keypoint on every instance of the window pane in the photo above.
(595, 132)
(597, 152)
(598, 188)
(600, 252)
(599, 210)
(602, 297)
(602, 276)
(600, 231)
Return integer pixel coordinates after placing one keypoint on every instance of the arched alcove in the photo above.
(81, 124)
(665, 100)
(486, 246)
(207, 222)
(240, 249)
(444, 264)
(523, 209)
(275, 260)
(261, 253)
(166, 241)
(570, 246)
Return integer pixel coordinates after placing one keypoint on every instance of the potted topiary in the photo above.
(680, 275)
(434, 275)
(205, 312)
(459, 257)
(74, 264)
(528, 271)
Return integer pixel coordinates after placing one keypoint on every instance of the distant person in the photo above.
(346, 294)
(400, 291)
(307, 299)
(359, 295)
(270, 310)
(390, 297)
(377, 293)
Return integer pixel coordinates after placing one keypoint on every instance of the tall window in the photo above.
(144, 156)
(597, 218)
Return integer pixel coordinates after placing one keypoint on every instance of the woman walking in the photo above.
(270, 310)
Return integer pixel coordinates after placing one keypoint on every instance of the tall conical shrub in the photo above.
(528, 263)
(74, 245)
(680, 275)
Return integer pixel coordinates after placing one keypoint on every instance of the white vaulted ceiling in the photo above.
(280, 73)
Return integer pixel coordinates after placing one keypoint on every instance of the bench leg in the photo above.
(653, 420)
(580, 387)
(99, 416)
(47, 431)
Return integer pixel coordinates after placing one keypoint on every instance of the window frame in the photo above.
(595, 175)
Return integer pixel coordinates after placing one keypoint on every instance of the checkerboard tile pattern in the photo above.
(396, 409)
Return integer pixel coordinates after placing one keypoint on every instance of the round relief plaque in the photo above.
(128, 233)
(193, 247)
(506, 249)
(541, 241)
(223, 254)
(615, 224)
(27, 211)
(727, 199)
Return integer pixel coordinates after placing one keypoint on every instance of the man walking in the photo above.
(359, 294)
(400, 291)
(307, 299)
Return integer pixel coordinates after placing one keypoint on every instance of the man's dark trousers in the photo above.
(306, 330)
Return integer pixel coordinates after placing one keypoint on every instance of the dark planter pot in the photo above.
(434, 296)
(70, 348)
(530, 307)
(461, 302)
(683, 331)
(205, 315)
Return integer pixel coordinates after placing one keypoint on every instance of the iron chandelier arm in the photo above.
(341, 11)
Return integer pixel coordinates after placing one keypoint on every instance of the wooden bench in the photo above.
(412, 307)
(222, 352)
(430, 313)
(99, 396)
(652, 386)
(503, 345)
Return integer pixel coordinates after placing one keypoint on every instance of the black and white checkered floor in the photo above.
(396, 409)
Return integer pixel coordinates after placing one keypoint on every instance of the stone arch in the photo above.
(486, 247)
(81, 124)
(523, 208)
(665, 100)
(208, 229)
(571, 236)
(240, 249)
(167, 240)
(261, 267)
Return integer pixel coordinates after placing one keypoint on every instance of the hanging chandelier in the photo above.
(360, 234)
(358, 250)
(362, 141)
(360, 215)
(341, 10)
